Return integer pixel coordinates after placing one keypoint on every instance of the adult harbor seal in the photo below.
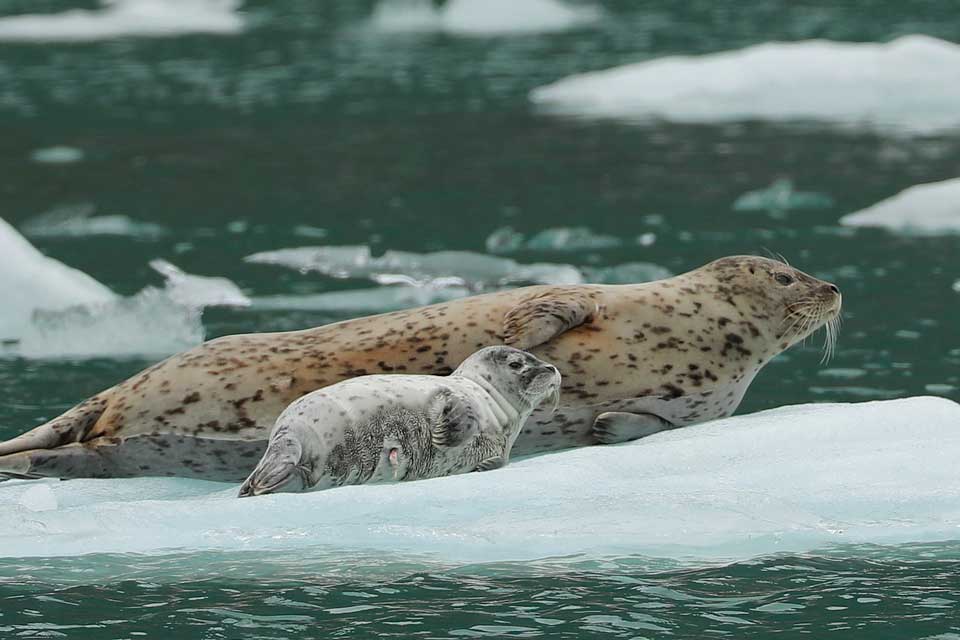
(635, 359)
(405, 427)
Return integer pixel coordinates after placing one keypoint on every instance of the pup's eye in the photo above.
(783, 279)
(515, 364)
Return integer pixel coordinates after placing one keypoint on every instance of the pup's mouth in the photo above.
(545, 385)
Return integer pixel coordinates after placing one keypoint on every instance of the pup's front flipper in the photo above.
(452, 419)
(618, 426)
(491, 463)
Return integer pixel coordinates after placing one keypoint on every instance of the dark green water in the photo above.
(425, 142)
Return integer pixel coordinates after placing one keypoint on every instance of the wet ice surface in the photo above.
(923, 209)
(791, 479)
(481, 17)
(442, 268)
(910, 83)
(77, 221)
(120, 18)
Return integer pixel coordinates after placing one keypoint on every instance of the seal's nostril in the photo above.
(834, 288)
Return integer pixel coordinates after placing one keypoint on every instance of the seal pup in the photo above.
(635, 359)
(405, 427)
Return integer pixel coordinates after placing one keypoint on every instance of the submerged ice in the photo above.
(475, 271)
(912, 82)
(790, 479)
(78, 220)
(923, 209)
(779, 198)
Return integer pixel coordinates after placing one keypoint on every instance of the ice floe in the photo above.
(78, 220)
(790, 479)
(911, 83)
(199, 291)
(780, 197)
(475, 271)
(481, 17)
(923, 209)
(125, 18)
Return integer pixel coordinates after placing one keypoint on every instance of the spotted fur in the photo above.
(683, 349)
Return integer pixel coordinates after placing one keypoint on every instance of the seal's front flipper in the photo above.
(617, 426)
(542, 317)
(451, 418)
(491, 463)
(278, 470)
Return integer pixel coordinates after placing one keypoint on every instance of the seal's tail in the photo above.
(279, 469)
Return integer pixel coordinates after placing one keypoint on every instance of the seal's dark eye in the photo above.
(783, 279)
(515, 364)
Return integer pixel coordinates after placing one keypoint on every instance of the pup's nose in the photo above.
(833, 288)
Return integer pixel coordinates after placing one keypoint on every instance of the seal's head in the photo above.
(520, 378)
(788, 303)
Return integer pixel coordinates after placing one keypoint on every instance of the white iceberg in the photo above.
(481, 17)
(912, 83)
(126, 18)
(792, 479)
(30, 280)
(77, 221)
(923, 209)
(475, 271)
(54, 311)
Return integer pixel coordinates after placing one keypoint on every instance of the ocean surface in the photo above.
(202, 133)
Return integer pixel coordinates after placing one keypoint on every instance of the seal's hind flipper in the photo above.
(451, 418)
(278, 469)
(544, 316)
(72, 426)
(612, 427)
(491, 463)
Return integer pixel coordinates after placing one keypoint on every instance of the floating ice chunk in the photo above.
(912, 82)
(481, 17)
(122, 18)
(148, 324)
(372, 300)
(627, 273)
(29, 281)
(474, 270)
(924, 209)
(956, 286)
(780, 197)
(506, 240)
(310, 232)
(792, 479)
(199, 291)
(78, 221)
(56, 155)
